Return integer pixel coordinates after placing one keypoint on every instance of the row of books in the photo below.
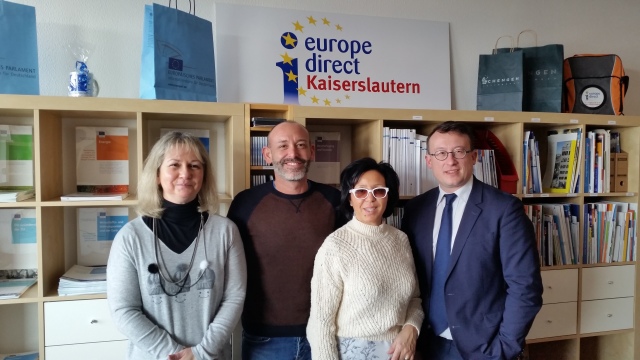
(256, 158)
(599, 145)
(395, 219)
(259, 179)
(563, 167)
(557, 232)
(609, 232)
(405, 151)
(485, 167)
(531, 176)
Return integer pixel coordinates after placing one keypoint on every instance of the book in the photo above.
(32, 355)
(202, 134)
(87, 196)
(603, 164)
(16, 195)
(102, 160)
(18, 245)
(97, 227)
(560, 159)
(14, 288)
(16, 157)
(257, 143)
(575, 169)
(326, 166)
(266, 121)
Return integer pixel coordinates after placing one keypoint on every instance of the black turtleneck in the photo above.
(179, 225)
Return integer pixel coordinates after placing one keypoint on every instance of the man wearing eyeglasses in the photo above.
(475, 255)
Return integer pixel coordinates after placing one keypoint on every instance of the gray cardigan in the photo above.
(202, 314)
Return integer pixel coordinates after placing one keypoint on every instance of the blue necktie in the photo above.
(437, 311)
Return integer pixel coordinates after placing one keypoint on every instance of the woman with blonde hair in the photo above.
(177, 274)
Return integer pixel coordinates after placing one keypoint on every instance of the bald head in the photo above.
(284, 129)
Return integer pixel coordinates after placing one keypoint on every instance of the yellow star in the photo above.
(302, 91)
(339, 101)
(347, 97)
(326, 21)
(286, 59)
(291, 76)
(338, 27)
(314, 99)
(327, 102)
(298, 26)
(312, 21)
(289, 40)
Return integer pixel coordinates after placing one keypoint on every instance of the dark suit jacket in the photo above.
(493, 289)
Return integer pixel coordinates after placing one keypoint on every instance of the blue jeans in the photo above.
(275, 348)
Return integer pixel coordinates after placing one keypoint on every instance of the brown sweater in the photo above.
(281, 235)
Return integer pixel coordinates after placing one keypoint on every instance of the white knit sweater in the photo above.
(364, 286)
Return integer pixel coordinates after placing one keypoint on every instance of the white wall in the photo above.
(113, 30)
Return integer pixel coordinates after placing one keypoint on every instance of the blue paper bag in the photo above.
(18, 49)
(177, 56)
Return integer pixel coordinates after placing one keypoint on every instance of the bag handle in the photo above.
(194, 6)
(535, 37)
(495, 47)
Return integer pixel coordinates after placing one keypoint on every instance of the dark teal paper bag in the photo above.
(177, 56)
(542, 71)
(18, 49)
(500, 82)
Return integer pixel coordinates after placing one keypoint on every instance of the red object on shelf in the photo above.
(506, 171)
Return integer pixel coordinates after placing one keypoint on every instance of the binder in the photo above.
(619, 171)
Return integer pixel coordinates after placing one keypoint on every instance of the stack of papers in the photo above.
(80, 280)
(16, 195)
(14, 288)
(87, 196)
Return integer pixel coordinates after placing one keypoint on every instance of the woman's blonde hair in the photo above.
(150, 191)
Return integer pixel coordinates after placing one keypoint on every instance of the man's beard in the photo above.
(291, 175)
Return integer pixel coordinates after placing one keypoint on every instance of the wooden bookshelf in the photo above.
(54, 119)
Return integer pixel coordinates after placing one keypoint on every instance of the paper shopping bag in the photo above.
(18, 49)
(500, 83)
(542, 71)
(177, 56)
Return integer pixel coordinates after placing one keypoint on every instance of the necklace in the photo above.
(160, 266)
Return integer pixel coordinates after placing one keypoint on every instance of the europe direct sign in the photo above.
(269, 55)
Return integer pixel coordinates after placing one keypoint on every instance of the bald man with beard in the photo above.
(282, 224)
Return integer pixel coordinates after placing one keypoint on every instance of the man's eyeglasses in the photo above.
(457, 153)
(362, 193)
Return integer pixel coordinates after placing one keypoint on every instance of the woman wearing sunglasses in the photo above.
(365, 300)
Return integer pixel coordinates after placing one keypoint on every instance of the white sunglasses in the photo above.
(362, 193)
